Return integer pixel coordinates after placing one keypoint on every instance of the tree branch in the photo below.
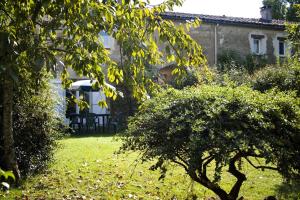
(181, 159)
(260, 167)
(204, 167)
(173, 47)
(181, 164)
(60, 50)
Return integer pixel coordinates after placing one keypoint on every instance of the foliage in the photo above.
(6, 175)
(36, 123)
(293, 11)
(222, 125)
(255, 62)
(230, 60)
(231, 77)
(191, 79)
(284, 78)
(87, 167)
(36, 35)
(294, 37)
(294, 34)
(33, 31)
(279, 8)
(284, 9)
(139, 38)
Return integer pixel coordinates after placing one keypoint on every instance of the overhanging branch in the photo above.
(260, 167)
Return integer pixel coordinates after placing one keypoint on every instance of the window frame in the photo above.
(281, 41)
(257, 44)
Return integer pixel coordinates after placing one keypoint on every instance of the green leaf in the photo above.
(103, 104)
(9, 174)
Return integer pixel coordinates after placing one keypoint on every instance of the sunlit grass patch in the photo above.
(87, 168)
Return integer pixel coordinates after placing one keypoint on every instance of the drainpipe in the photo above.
(216, 44)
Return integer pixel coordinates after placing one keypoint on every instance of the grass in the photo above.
(87, 168)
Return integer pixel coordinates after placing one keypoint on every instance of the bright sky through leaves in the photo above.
(234, 8)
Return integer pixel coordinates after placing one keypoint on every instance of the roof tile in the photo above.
(273, 24)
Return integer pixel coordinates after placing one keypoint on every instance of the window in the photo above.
(281, 46)
(257, 44)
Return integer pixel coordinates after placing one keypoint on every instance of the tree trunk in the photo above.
(9, 155)
(208, 184)
(235, 190)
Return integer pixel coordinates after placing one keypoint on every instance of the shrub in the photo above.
(233, 76)
(230, 60)
(190, 79)
(284, 78)
(255, 62)
(36, 124)
(200, 126)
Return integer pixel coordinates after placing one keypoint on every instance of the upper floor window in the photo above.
(257, 42)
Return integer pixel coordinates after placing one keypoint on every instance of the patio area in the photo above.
(92, 123)
(93, 119)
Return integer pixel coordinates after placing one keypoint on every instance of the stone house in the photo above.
(263, 37)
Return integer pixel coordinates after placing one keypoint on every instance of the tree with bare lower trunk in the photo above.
(214, 128)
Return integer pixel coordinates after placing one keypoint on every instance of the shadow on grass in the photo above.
(289, 190)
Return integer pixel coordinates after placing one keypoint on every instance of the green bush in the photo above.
(233, 76)
(284, 78)
(230, 60)
(36, 123)
(210, 124)
(253, 63)
(190, 79)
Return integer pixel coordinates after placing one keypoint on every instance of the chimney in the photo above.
(266, 13)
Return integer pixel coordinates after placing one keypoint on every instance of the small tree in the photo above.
(218, 126)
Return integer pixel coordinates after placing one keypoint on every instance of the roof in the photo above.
(238, 21)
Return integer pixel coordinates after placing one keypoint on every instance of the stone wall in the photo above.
(228, 37)
(237, 39)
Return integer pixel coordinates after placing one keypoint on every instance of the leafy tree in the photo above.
(39, 34)
(284, 9)
(139, 52)
(291, 14)
(279, 8)
(294, 34)
(218, 127)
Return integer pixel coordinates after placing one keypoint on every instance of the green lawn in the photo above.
(87, 168)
